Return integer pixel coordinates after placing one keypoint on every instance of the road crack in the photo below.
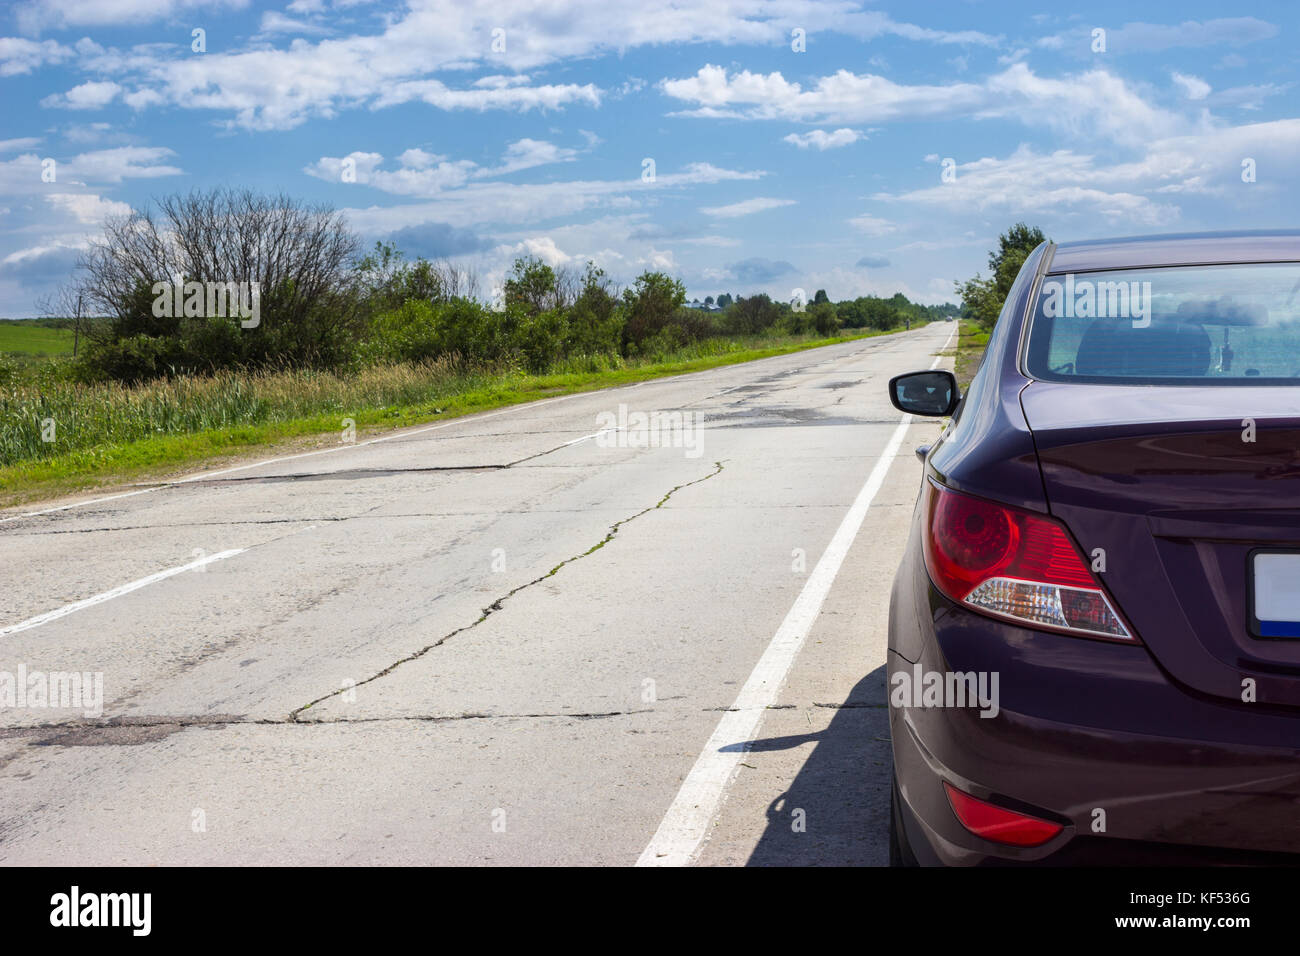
(499, 602)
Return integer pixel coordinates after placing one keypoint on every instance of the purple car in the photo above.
(1094, 635)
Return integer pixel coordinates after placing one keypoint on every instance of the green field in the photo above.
(25, 337)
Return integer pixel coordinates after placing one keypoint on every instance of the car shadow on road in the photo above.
(843, 789)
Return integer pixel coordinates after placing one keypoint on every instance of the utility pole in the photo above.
(76, 328)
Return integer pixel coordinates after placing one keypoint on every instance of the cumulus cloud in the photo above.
(87, 208)
(265, 87)
(820, 139)
(1095, 103)
(88, 96)
(19, 56)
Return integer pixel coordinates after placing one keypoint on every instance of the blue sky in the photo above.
(482, 131)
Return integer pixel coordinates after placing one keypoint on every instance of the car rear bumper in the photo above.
(1092, 735)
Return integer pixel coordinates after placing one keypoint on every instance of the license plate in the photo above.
(1275, 593)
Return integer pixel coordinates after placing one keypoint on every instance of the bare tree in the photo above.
(300, 255)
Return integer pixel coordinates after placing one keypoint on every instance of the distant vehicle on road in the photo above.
(1094, 634)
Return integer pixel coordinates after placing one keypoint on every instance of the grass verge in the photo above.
(183, 426)
(971, 341)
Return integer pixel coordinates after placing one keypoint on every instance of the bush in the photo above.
(650, 306)
(540, 339)
(751, 316)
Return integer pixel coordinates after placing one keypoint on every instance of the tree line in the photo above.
(326, 304)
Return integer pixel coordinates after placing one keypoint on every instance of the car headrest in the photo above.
(1114, 347)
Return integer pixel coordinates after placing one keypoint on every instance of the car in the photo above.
(1094, 631)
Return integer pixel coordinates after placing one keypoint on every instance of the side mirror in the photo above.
(932, 393)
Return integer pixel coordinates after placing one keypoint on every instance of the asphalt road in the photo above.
(513, 638)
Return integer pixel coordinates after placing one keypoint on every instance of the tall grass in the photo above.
(90, 421)
(85, 416)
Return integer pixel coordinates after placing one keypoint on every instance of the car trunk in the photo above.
(1163, 480)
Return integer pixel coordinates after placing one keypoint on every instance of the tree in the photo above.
(982, 299)
(650, 306)
(531, 285)
(595, 324)
(300, 256)
(751, 316)
(820, 296)
(823, 317)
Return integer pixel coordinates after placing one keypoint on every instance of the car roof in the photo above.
(1184, 249)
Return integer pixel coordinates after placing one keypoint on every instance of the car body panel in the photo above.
(1145, 752)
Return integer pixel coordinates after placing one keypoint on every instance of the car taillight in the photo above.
(998, 824)
(1014, 564)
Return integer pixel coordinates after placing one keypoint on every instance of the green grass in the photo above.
(22, 338)
(107, 434)
(971, 341)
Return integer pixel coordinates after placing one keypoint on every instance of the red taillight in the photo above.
(999, 825)
(1014, 564)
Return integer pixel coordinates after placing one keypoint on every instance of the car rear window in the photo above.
(1230, 325)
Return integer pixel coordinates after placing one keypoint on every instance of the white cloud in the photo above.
(513, 97)
(483, 202)
(872, 225)
(746, 207)
(274, 22)
(426, 175)
(527, 153)
(1194, 88)
(87, 208)
(1095, 103)
(268, 88)
(539, 247)
(123, 162)
(419, 174)
(823, 140)
(1056, 184)
(22, 56)
(88, 96)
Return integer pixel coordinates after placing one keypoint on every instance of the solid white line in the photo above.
(686, 824)
(115, 592)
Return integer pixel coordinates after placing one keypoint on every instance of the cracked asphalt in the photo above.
(499, 640)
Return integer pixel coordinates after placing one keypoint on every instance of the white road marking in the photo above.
(686, 824)
(115, 592)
